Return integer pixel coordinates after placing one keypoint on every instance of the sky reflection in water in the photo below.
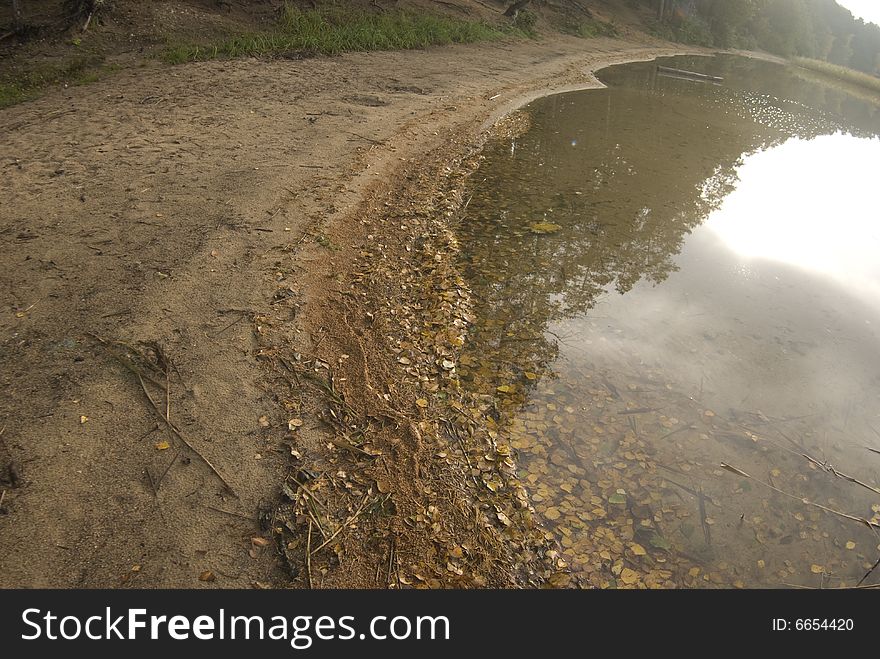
(811, 204)
(710, 294)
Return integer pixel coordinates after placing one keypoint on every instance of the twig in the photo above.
(704, 520)
(309, 555)
(347, 523)
(308, 492)
(390, 561)
(868, 573)
(313, 515)
(348, 446)
(165, 473)
(237, 320)
(363, 137)
(124, 312)
(180, 436)
(854, 518)
(831, 470)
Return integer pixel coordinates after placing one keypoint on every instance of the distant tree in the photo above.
(841, 50)
(16, 14)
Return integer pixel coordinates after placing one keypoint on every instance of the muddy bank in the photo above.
(261, 248)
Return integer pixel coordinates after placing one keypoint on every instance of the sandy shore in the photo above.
(245, 243)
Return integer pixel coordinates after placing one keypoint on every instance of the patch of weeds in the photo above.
(325, 242)
(850, 76)
(592, 28)
(26, 85)
(524, 24)
(333, 30)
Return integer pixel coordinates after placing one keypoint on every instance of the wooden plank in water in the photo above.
(691, 74)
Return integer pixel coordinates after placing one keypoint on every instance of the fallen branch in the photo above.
(179, 435)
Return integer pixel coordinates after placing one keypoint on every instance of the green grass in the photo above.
(336, 30)
(592, 28)
(18, 87)
(840, 72)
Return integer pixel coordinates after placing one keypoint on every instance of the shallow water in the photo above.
(671, 276)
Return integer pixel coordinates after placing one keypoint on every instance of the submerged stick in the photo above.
(854, 518)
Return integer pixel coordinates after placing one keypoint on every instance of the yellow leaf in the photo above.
(544, 227)
(505, 388)
(422, 402)
(83, 418)
(629, 577)
(816, 569)
(530, 376)
(850, 545)
(637, 549)
(162, 445)
(762, 564)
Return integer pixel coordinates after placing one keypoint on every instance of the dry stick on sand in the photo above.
(347, 523)
(309, 555)
(166, 416)
(179, 435)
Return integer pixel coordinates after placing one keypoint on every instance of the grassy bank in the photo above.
(335, 30)
(840, 73)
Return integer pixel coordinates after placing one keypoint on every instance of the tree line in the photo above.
(819, 29)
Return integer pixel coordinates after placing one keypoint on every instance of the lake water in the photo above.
(677, 287)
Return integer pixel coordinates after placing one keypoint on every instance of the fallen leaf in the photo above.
(422, 402)
(850, 545)
(207, 575)
(544, 227)
(83, 418)
(816, 569)
(163, 445)
(629, 577)
(637, 549)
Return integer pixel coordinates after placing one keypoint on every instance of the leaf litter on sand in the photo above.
(442, 498)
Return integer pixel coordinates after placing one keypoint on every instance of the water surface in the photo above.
(672, 276)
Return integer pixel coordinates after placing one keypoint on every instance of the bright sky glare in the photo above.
(869, 10)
